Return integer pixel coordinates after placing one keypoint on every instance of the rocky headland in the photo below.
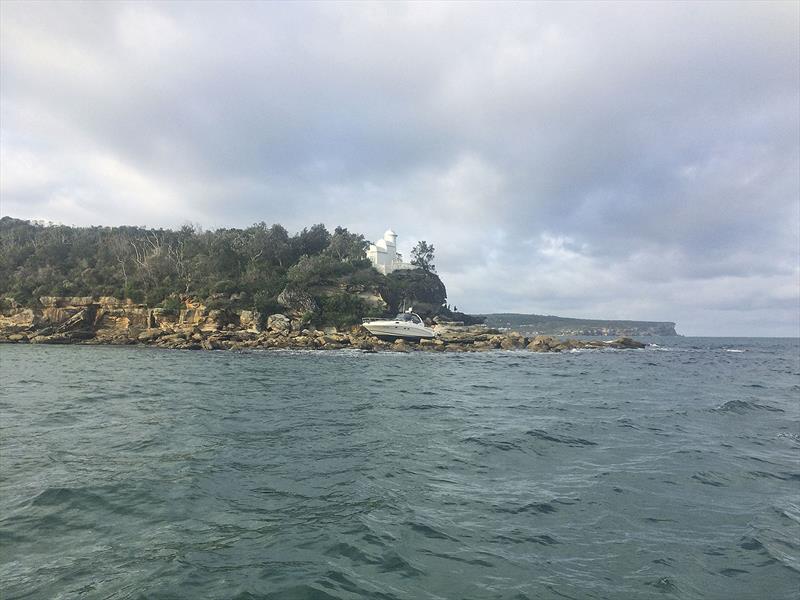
(108, 320)
(533, 324)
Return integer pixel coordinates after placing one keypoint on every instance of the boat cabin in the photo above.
(409, 318)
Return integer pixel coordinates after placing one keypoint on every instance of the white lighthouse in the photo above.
(384, 255)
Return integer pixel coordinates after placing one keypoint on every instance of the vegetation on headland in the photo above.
(324, 276)
(532, 324)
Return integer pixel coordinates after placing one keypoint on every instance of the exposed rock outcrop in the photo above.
(297, 301)
(110, 321)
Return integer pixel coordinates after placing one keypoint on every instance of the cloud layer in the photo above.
(596, 160)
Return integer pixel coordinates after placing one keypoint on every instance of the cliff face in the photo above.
(106, 320)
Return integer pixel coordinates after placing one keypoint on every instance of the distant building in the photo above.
(384, 255)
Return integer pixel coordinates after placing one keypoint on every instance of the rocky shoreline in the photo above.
(108, 321)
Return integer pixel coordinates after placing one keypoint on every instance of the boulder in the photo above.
(249, 320)
(483, 345)
(400, 346)
(57, 338)
(626, 343)
(542, 343)
(279, 322)
(297, 301)
(512, 341)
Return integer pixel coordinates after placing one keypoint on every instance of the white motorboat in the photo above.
(407, 325)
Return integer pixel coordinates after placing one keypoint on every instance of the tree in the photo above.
(312, 241)
(422, 256)
(421, 289)
(347, 246)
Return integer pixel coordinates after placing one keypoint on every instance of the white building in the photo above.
(384, 255)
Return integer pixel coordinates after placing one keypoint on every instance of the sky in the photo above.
(596, 160)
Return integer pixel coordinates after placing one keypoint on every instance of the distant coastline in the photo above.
(533, 324)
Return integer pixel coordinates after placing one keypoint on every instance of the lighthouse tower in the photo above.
(384, 255)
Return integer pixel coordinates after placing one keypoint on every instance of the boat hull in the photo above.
(399, 332)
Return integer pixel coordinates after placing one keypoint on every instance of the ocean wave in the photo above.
(503, 445)
(541, 508)
(742, 406)
(311, 475)
(544, 436)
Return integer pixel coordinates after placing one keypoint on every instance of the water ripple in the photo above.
(131, 473)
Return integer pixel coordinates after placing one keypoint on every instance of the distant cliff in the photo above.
(552, 325)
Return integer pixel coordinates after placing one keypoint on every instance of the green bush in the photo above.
(226, 286)
(266, 305)
(172, 305)
(134, 293)
(420, 289)
(317, 270)
(340, 310)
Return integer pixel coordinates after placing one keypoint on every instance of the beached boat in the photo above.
(407, 325)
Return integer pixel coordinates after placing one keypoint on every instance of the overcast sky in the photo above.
(592, 160)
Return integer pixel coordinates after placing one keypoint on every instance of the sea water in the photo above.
(669, 472)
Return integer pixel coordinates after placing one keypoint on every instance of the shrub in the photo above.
(312, 271)
(341, 310)
(418, 288)
(172, 305)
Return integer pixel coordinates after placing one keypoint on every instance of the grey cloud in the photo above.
(657, 141)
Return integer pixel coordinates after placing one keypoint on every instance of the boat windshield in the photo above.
(408, 317)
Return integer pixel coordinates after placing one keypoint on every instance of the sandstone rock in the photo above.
(216, 320)
(542, 343)
(149, 335)
(297, 300)
(17, 337)
(249, 320)
(172, 339)
(56, 338)
(279, 322)
(80, 334)
(79, 320)
(570, 344)
(513, 341)
(18, 318)
(64, 301)
(483, 345)
(455, 348)
(109, 301)
(626, 343)
(162, 317)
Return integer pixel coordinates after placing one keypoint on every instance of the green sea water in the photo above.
(670, 472)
